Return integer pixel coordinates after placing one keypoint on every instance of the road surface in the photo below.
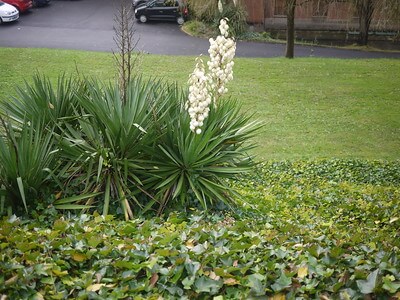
(88, 25)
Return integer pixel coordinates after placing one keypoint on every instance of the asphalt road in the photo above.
(88, 25)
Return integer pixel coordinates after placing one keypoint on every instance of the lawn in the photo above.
(318, 218)
(311, 107)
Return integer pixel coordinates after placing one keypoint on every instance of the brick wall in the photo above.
(255, 11)
(312, 15)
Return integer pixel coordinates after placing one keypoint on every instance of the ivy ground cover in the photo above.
(306, 230)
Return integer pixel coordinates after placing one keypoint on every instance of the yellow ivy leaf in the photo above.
(302, 272)
(79, 257)
(95, 287)
(397, 296)
(278, 297)
(60, 273)
(189, 244)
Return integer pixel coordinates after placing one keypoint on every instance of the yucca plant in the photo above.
(40, 102)
(27, 158)
(188, 166)
(108, 150)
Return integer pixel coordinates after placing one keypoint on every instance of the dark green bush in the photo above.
(122, 157)
(207, 11)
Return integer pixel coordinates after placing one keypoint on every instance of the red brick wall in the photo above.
(311, 15)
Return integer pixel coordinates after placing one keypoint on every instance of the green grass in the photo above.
(311, 107)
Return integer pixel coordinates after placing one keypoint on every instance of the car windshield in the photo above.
(1, 3)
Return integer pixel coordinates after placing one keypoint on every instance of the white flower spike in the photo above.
(205, 88)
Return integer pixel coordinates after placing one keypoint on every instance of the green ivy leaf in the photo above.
(282, 283)
(199, 249)
(207, 285)
(367, 286)
(391, 287)
(188, 282)
(255, 282)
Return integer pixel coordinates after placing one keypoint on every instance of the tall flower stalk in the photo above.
(207, 86)
(199, 97)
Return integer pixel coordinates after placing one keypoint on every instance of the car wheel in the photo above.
(143, 19)
(180, 20)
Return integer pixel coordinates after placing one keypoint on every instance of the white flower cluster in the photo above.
(199, 97)
(207, 87)
(222, 51)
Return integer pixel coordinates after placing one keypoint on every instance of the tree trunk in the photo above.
(365, 11)
(290, 10)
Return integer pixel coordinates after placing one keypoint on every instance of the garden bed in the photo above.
(311, 229)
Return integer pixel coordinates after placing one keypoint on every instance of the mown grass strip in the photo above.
(311, 107)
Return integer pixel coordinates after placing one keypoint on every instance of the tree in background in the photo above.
(385, 11)
(290, 11)
(365, 10)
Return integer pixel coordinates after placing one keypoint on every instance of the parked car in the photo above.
(8, 12)
(39, 3)
(162, 10)
(21, 5)
(136, 3)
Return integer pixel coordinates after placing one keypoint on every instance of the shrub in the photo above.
(27, 157)
(123, 157)
(207, 12)
(142, 154)
(40, 102)
(203, 10)
(192, 166)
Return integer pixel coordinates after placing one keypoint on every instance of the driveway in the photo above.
(88, 25)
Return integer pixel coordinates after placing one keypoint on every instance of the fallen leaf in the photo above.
(153, 279)
(231, 281)
(214, 276)
(11, 280)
